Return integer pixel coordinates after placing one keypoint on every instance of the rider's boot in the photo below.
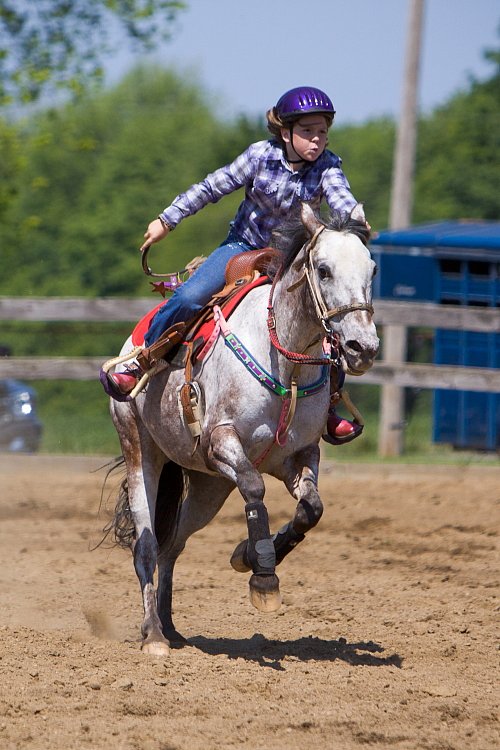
(124, 381)
(340, 430)
(120, 385)
(141, 365)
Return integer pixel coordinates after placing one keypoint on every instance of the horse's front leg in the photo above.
(300, 475)
(144, 462)
(226, 454)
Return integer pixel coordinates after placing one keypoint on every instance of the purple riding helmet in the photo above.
(304, 100)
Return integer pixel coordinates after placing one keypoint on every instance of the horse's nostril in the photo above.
(354, 345)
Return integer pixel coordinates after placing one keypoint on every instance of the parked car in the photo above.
(20, 428)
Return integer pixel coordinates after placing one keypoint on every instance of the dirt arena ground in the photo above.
(386, 637)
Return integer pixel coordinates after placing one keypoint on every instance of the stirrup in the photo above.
(106, 367)
(333, 440)
(143, 381)
(357, 422)
(111, 387)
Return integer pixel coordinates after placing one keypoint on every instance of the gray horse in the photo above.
(263, 398)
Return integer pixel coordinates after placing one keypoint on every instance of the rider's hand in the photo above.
(156, 231)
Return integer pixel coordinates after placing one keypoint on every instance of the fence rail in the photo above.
(391, 372)
(116, 309)
(401, 374)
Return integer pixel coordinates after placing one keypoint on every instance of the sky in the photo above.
(246, 53)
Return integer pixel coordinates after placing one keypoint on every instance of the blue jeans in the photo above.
(191, 296)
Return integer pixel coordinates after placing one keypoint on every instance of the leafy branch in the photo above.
(50, 44)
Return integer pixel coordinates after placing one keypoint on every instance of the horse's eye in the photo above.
(324, 272)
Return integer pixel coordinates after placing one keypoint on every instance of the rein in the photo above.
(297, 357)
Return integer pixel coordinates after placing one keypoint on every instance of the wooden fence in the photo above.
(391, 371)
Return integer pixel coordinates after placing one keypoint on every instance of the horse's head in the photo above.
(339, 271)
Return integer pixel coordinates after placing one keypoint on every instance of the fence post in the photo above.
(391, 420)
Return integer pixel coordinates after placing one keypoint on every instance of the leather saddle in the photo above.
(243, 272)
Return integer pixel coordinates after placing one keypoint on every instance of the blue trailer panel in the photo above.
(454, 263)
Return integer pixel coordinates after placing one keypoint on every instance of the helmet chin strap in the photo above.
(293, 161)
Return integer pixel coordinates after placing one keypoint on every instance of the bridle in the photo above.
(323, 313)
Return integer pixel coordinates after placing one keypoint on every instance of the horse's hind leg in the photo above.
(226, 454)
(300, 474)
(144, 462)
(205, 497)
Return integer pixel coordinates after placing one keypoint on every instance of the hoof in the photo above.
(265, 593)
(159, 649)
(238, 561)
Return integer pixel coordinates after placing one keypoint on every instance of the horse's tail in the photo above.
(172, 487)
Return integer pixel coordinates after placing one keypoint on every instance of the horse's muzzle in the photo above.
(358, 357)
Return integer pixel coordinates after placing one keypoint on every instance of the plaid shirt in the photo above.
(271, 189)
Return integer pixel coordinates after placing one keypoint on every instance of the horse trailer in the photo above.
(450, 263)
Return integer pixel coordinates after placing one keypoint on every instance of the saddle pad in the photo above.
(203, 333)
(142, 326)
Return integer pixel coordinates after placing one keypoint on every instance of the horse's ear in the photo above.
(358, 213)
(309, 218)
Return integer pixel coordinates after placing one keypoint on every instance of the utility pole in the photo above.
(391, 424)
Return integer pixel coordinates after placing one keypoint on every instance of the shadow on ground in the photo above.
(271, 653)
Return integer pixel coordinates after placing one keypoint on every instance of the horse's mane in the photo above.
(292, 235)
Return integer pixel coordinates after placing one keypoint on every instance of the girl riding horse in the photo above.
(278, 174)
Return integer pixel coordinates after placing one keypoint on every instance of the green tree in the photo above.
(11, 166)
(81, 182)
(96, 173)
(62, 43)
(458, 154)
(367, 153)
